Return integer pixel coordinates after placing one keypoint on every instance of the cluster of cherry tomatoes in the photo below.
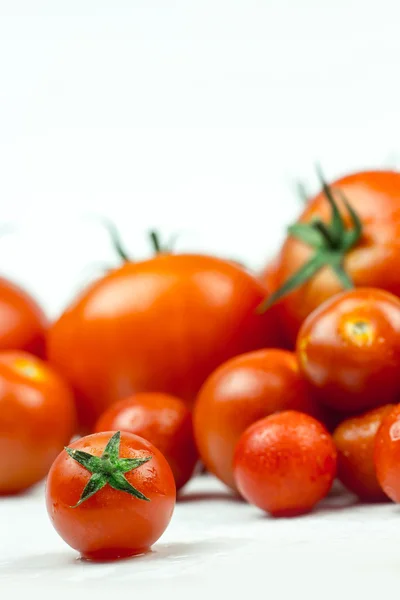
(277, 383)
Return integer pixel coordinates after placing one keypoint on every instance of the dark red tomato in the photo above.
(110, 495)
(387, 454)
(370, 257)
(238, 393)
(37, 419)
(22, 323)
(162, 325)
(285, 463)
(355, 442)
(349, 350)
(161, 419)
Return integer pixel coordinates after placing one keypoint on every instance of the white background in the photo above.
(195, 117)
(192, 116)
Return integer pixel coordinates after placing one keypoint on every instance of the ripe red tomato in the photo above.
(355, 442)
(367, 256)
(161, 419)
(37, 418)
(22, 323)
(349, 350)
(238, 393)
(285, 463)
(387, 454)
(110, 495)
(162, 325)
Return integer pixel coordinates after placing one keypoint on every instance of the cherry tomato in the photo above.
(368, 255)
(110, 495)
(162, 325)
(387, 454)
(164, 421)
(238, 393)
(37, 418)
(349, 350)
(22, 323)
(285, 463)
(355, 442)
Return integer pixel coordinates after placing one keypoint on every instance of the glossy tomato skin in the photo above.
(285, 463)
(349, 350)
(240, 392)
(37, 419)
(387, 454)
(163, 420)
(355, 442)
(373, 262)
(111, 524)
(161, 325)
(23, 325)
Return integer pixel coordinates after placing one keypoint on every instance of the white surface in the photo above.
(215, 545)
(192, 116)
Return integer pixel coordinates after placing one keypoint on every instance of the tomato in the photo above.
(364, 251)
(355, 442)
(110, 495)
(164, 421)
(162, 325)
(22, 323)
(238, 393)
(37, 418)
(285, 463)
(349, 350)
(387, 454)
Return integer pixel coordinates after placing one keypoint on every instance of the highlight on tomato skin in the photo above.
(369, 258)
(37, 419)
(163, 420)
(355, 443)
(160, 325)
(387, 454)
(349, 350)
(110, 495)
(285, 463)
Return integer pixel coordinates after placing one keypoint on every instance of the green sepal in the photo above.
(118, 482)
(95, 483)
(307, 233)
(109, 469)
(90, 462)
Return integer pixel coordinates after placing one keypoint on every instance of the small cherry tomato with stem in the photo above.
(164, 421)
(355, 443)
(349, 350)
(285, 463)
(240, 392)
(37, 419)
(110, 495)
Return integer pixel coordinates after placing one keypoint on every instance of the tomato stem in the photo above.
(331, 242)
(108, 468)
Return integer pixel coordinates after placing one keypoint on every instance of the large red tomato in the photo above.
(162, 325)
(22, 322)
(331, 248)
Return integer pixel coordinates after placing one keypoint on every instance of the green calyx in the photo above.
(330, 241)
(109, 469)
